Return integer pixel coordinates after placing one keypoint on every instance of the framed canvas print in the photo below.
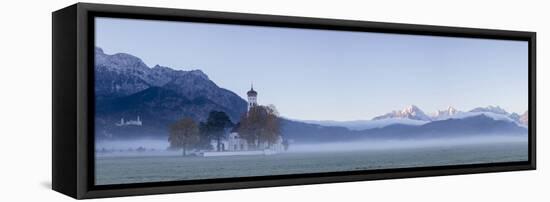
(155, 100)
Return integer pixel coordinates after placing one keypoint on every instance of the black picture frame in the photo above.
(73, 100)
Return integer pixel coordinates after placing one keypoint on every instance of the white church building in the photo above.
(233, 144)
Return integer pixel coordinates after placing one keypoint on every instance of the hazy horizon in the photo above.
(156, 145)
(332, 75)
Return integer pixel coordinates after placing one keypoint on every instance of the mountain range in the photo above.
(125, 88)
(413, 112)
(413, 115)
(480, 125)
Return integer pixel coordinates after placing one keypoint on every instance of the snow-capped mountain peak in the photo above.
(411, 109)
(409, 112)
(445, 113)
(492, 109)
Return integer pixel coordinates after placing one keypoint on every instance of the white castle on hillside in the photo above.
(129, 122)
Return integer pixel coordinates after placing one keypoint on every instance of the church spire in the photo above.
(252, 97)
(252, 92)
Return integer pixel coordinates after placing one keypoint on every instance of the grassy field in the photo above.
(128, 169)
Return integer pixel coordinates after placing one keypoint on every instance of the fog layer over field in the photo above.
(404, 144)
(154, 144)
(141, 147)
(159, 147)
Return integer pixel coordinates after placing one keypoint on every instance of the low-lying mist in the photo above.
(154, 144)
(140, 147)
(158, 147)
(379, 144)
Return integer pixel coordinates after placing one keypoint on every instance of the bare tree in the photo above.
(184, 134)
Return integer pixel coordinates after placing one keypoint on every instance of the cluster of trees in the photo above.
(260, 126)
(187, 134)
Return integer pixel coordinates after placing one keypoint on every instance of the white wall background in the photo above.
(25, 102)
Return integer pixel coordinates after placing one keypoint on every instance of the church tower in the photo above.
(252, 97)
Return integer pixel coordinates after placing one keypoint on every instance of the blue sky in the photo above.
(332, 75)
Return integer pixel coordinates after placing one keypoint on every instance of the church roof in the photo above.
(252, 92)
